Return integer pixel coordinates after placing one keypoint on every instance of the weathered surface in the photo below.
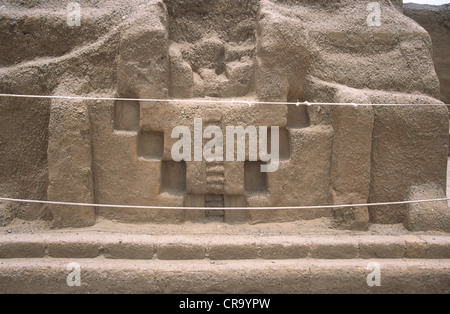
(219, 247)
(222, 257)
(319, 51)
(118, 262)
(399, 139)
(427, 216)
(28, 69)
(229, 277)
(70, 163)
(142, 66)
(280, 63)
(436, 21)
(351, 159)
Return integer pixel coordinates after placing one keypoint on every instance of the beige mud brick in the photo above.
(280, 250)
(394, 172)
(180, 251)
(381, 247)
(437, 246)
(19, 249)
(415, 246)
(333, 248)
(350, 174)
(297, 276)
(414, 276)
(73, 249)
(328, 276)
(69, 163)
(219, 251)
(129, 250)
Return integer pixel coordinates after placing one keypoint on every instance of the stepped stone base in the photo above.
(217, 257)
(248, 276)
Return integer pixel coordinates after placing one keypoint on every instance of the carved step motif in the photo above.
(215, 176)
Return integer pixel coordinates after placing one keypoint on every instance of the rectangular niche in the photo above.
(126, 115)
(151, 145)
(255, 181)
(284, 148)
(173, 177)
(298, 117)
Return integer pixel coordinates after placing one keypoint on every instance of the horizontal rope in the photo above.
(224, 208)
(207, 101)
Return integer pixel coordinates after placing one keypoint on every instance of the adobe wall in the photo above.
(318, 51)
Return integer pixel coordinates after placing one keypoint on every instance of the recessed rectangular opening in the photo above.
(126, 115)
(255, 181)
(173, 177)
(215, 200)
(151, 145)
(298, 117)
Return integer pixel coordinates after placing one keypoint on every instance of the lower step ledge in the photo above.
(101, 275)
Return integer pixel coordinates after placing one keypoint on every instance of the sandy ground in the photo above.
(309, 227)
